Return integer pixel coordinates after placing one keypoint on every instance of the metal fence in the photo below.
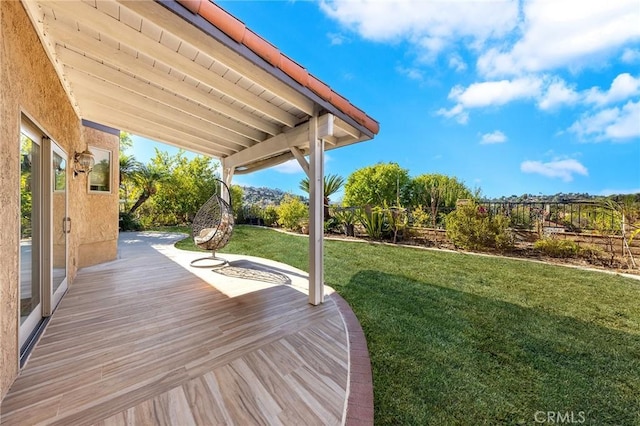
(558, 216)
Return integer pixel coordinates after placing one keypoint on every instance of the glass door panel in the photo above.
(60, 224)
(30, 235)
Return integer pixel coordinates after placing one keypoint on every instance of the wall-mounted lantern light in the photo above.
(83, 162)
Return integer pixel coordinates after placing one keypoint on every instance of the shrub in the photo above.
(592, 252)
(128, 222)
(270, 215)
(252, 214)
(555, 247)
(291, 212)
(420, 217)
(236, 192)
(472, 228)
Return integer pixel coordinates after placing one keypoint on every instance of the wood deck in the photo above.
(148, 340)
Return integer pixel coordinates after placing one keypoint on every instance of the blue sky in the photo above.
(512, 97)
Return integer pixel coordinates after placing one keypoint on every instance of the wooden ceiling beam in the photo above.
(124, 34)
(113, 117)
(174, 24)
(147, 119)
(348, 129)
(136, 85)
(224, 137)
(84, 85)
(80, 41)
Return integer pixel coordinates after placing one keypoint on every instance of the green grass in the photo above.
(462, 339)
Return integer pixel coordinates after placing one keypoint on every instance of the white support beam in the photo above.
(116, 30)
(166, 97)
(121, 60)
(316, 213)
(301, 160)
(137, 126)
(297, 137)
(192, 35)
(227, 176)
(326, 126)
(35, 15)
(265, 164)
(278, 144)
(102, 107)
(348, 129)
(85, 86)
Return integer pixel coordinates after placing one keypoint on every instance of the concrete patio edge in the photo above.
(359, 410)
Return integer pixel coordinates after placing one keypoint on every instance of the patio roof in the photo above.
(189, 74)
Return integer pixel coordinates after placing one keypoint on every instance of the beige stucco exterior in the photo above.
(96, 214)
(30, 86)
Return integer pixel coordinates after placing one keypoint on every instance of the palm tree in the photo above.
(146, 179)
(128, 166)
(332, 184)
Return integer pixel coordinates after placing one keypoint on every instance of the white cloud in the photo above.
(430, 25)
(557, 94)
(289, 167)
(537, 36)
(489, 93)
(336, 39)
(412, 73)
(292, 166)
(495, 92)
(457, 63)
(610, 124)
(550, 92)
(623, 87)
(456, 112)
(493, 138)
(563, 169)
(630, 56)
(565, 33)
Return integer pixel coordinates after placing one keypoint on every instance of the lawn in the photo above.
(462, 339)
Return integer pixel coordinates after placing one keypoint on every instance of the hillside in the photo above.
(263, 196)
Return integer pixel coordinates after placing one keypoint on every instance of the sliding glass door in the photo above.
(44, 227)
(60, 226)
(30, 233)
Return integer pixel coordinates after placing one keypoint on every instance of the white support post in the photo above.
(227, 175)
(316, 213)
(301, 160)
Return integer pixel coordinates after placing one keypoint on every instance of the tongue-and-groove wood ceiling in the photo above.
(159, 70)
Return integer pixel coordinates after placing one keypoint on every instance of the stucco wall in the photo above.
(30, 84)
(97, 216)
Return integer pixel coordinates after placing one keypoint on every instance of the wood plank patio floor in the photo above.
(147, 340)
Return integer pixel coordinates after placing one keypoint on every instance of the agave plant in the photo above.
(373, 220)
(347, 217)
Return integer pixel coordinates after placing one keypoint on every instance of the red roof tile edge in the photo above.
(360, 398)
(236, 30)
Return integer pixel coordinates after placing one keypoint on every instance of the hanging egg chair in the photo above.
(212, 228)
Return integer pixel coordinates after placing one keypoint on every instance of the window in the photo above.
(100, 176)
